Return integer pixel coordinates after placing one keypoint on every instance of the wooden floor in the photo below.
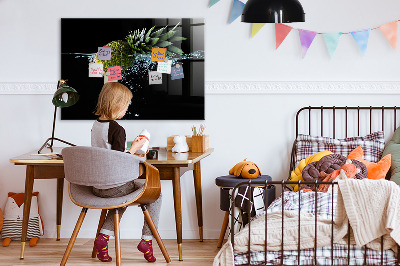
(50, 252)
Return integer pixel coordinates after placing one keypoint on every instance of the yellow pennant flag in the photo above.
(256, 28)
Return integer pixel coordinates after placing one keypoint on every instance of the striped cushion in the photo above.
(13, 228)
(372, 145)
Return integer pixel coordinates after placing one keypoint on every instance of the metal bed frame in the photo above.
(283, 184)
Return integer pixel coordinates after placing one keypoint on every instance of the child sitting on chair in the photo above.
(112, 104)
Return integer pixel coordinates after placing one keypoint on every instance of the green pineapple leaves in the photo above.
(157, 39)
(158, 33)
(175, 50)
(164, 44)
(177, 39)
(141, 42)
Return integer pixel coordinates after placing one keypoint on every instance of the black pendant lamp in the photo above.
(273, 11)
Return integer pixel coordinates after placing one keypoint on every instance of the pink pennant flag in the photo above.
(389, 30)
(306, 39)
(281, 31)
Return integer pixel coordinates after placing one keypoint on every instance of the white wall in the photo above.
(259, 127)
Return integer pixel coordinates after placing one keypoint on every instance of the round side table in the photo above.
(228, 182)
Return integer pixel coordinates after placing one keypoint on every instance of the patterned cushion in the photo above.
(372, 144)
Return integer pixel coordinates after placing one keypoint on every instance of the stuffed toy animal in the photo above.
(296, 174)
(180, 144)
(13, 215)
(245, 169)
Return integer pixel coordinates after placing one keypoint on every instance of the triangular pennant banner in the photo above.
(389, 30)
(332, 41)
(306, 39)
(281, 31)
(213, 2)
(256, 28)
(361, 38)
(237, 9)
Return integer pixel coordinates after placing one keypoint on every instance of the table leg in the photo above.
(176, 183)
(60, 190)
(199, 204)
(27, 206)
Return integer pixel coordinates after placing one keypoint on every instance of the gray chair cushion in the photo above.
(83, 195)
(99, 167)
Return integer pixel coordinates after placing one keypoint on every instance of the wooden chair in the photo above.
(85, 167)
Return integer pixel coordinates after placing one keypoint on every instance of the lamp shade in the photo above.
(65, 96)
(273, 11)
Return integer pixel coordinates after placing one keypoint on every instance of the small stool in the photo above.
(226, 183)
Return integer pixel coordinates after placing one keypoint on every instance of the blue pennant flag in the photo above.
(213, 2)
(332, 41)
(361, 38)
(237, 9)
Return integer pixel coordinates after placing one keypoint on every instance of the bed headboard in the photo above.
(346, 118)
(344, 121)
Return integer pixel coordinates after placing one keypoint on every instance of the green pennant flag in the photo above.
(213, 2)
(332, 41)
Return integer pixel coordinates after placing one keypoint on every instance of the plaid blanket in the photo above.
(307, 202)
(321, 204)
(324, 257)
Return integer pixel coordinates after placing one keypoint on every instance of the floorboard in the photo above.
(49, 252)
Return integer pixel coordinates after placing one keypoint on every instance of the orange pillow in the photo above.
(375, 170)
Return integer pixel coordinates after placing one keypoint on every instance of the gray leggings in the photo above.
(154, 208)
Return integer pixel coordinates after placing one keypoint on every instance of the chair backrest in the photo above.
(92, 166)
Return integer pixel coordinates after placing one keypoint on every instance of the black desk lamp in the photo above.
(273, 11)
(65, 96)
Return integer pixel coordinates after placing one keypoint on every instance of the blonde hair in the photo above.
(112, 99)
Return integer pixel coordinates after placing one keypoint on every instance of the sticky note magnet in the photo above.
(158, 54)
(164, 67)
(155, 77)
(95, 70)
(106, 75)
(104, 53)
(177, 72)
(115, 73)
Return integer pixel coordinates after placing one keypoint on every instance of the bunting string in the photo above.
(361, 37)
(343, 33)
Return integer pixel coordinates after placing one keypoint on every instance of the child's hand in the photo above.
(137, 144)
(142, 155)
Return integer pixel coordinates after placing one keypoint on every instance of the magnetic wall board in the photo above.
(131, 41)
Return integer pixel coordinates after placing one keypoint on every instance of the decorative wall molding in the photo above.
(248, 87)
(28, 88)
(303, 87)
